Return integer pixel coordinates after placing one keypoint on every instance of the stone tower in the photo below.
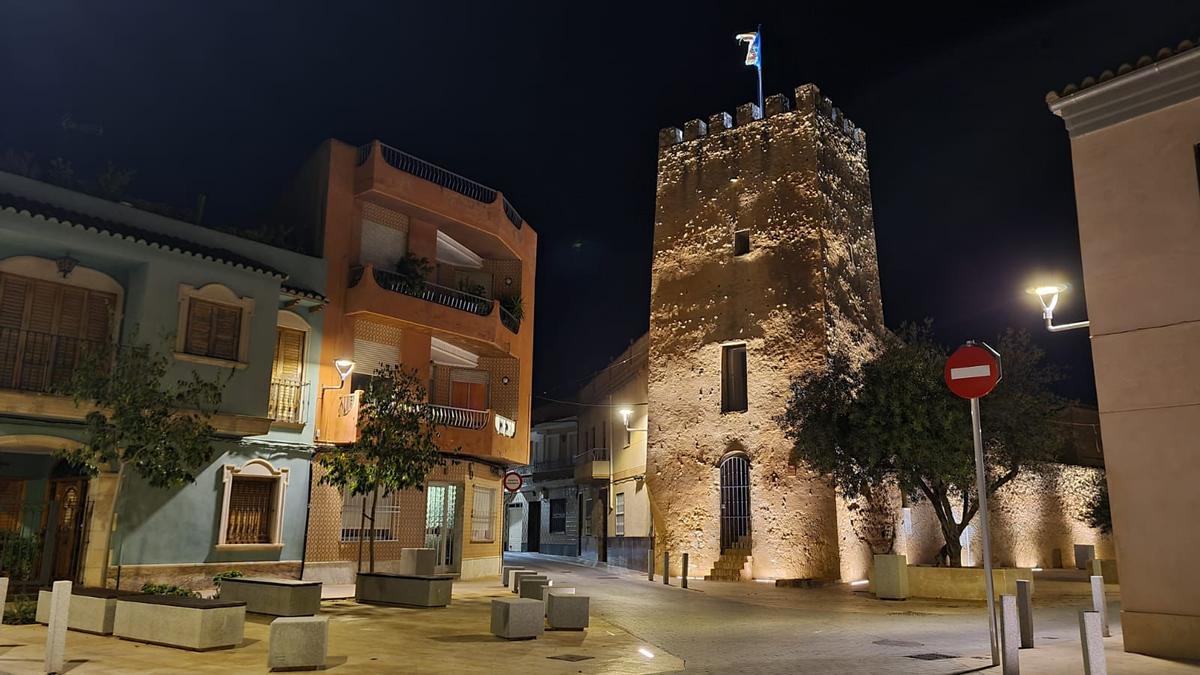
(764, 264)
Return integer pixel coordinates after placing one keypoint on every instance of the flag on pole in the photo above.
(753, 48)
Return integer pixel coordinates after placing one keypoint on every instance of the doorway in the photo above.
(534, 531)
(735, 502)
(442, 524)
(602, 541)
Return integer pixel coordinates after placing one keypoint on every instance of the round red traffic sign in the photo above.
(513, 481)
(973, 370)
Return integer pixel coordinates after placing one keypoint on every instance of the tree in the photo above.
(397, 442)
(894, 420)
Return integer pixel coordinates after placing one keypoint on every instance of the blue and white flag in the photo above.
(753, 48)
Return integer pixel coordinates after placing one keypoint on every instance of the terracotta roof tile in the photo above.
(1125, 68)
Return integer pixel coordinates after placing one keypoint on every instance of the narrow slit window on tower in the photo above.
(741, 242)
(733, 378)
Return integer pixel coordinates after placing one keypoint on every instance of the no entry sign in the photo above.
(513, 481)
(973, 370)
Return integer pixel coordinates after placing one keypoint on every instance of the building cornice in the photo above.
(1146, 89)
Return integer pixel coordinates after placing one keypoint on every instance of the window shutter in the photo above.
(41, 309)
(98, 316)
(227, 323)
(13, 292)
(70, 311)
(289, 355)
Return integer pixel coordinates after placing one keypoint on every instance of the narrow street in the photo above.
(725, 627)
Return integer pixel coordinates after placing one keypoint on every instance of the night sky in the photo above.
(558, 105)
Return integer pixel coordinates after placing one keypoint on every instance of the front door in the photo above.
(535, 527)
(735, 502)
(68, 494)
(442, 524)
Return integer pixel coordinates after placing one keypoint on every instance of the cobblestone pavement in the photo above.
(723, 627)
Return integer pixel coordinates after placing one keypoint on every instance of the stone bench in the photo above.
(92, 609)
(516, 577)
(517, 618)
(412, 590)
(188, 623)
(298, 643)
(566, 611)
(531, 587)
(277, 597)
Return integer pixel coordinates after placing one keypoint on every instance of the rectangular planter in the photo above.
(92, 609)
(187, 623)
(962, 583)
(411, 590)
(889, 577)
(276, 597)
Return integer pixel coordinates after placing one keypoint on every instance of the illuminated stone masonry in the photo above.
(763, 238)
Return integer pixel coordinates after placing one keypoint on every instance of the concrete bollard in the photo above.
(1099, 605)
(56, 632)
(666, 568)
(683, 579)
(3, 596)
(1025, 612)
(650, 563)
(1094, 661)
(1009, 635)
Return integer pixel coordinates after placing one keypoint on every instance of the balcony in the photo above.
(592, 466)
(550, 469)
(431, 306)
(286, 404)
(40, 362)
(480, 433)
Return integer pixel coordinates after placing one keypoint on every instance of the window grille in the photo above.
(251, 511)
(587, 517)
(482, 514)
(558, 516)
(619, 515)
(353, 523)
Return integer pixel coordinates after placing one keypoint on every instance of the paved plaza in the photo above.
(638, 627)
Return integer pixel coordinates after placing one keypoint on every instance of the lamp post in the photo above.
(1048, 296)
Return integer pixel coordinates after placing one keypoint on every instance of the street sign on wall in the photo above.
(513, 481)
(973, 370)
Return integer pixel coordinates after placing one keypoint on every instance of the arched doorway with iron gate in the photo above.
(735, 501)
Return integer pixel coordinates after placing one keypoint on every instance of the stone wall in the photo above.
(797, 180)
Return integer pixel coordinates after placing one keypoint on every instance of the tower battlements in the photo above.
(806, 97)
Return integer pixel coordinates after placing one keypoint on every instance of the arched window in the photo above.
(252, 510)
(289, 385)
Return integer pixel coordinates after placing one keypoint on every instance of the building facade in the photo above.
(433, 272)
(764, 265)
(78, 272)
(1134, 146)
(543, 516)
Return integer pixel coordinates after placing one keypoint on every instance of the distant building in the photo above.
(465, 325)
(543, 517)
(77, 271)
(1134, 136)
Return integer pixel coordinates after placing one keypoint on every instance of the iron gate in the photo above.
(735, 502)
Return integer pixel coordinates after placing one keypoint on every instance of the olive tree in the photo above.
(893, 421)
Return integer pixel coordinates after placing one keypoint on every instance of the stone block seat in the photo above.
(298, 643)
(410, 590)
(566, 611)
(516, 577)
(188, 623)
(277, 597)
(506, 572)
(517, 618)
(531, 587)
(92, 609)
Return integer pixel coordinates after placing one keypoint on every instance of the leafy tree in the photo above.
(1097, 513)
(162, 431)
(894, 420)
(396, 447)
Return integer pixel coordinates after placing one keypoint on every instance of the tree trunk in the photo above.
(374, 503)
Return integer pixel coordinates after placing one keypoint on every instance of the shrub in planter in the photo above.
(228, 574)
(18, 554)
(514, 310)
(169, 589)
(20, 613)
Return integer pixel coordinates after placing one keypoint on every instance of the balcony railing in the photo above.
(287, 401)
(442, 295)
(41, 362)
(593, 455)
(435, 174)
(504, 426)
(463, 418)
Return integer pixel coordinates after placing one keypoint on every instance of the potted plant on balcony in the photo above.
(409, 274)
(396, 447)
(512, 310)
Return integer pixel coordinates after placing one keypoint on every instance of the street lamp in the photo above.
(344, 368)
(1048, 297)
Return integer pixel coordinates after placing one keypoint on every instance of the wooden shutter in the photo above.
(199, 327)
(227, 325)
(13, 291)
(97, 319)
(289, 355)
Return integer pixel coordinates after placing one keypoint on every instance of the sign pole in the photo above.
(981, 486)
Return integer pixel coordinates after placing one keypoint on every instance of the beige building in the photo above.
(610, 468)
(764, 264)
(1134, 148)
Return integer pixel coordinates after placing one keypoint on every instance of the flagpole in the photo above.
(758, 67)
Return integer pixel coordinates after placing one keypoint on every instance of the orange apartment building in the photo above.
(372, 208)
